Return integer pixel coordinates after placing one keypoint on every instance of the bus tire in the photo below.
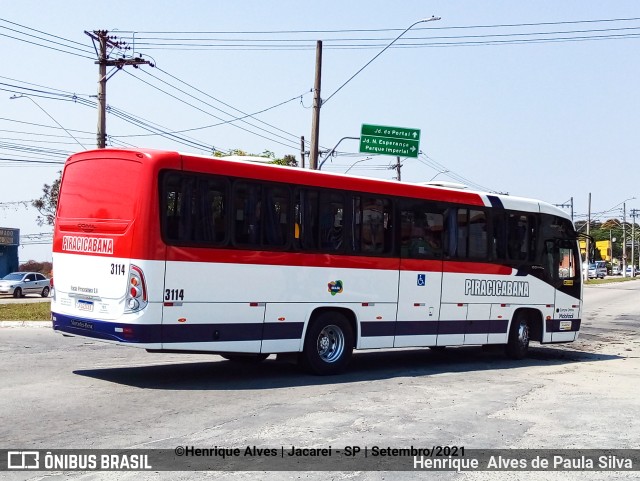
(328, 344)
(245, 358)
(519, 336)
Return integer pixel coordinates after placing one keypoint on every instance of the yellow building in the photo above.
(604, 246)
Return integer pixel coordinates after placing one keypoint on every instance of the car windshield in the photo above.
(14, 276)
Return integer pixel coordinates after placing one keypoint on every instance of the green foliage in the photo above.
(288, 160)
(48, 203)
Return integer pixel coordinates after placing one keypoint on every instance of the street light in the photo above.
(21, 96)
(318, 102)
(332, 151)
(356, 162)
(423, 20)
(441, 172)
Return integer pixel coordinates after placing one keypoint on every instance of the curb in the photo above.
(46, 323)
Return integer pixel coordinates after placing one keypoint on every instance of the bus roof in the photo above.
(248, 167)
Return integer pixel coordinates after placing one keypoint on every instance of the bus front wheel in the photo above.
(519, 335)
(328, 344)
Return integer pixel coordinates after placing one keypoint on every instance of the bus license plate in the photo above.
(85, 305)
(565, 325)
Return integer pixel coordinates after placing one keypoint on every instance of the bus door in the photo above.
(568, 282)
(420, 280)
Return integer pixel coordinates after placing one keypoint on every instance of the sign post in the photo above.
(384, 140)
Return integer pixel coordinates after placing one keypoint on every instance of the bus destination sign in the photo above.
(384, 140)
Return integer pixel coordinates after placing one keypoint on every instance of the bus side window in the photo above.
(306, 220)
(371, 225)
(463, 232)
(247, 211)
(406, 224)
(331, 221)
(210, 200)
(477, 234)
(420, 231)
(567, 262)
(499, 236)
(276, 216)
(172, 204)
(519, 237)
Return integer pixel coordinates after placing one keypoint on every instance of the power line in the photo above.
(430, 162)
(268, 32)
(234, 118)
(68, 96)
(71, 49)
(38, 141)
(234, 43)
(158, 130)
(289, 145)
(44, 33)
(42, 161)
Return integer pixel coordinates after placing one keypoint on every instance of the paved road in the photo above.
(59, 392)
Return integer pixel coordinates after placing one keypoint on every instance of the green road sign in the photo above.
(398, 141)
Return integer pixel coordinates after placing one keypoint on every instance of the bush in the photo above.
(44, 268)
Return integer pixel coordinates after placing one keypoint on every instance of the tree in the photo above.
(48, 203)
(35, 266)
(289, 160)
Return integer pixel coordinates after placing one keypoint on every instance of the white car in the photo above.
(18, 284)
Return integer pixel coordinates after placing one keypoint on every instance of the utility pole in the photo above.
(572, 210)
(586, 242)
(570, 204)
(398, 166)
(302, 153)
(624, 240)
(633, 213)
(106, 42)
(317, 103)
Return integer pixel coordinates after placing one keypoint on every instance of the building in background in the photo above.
(602, 246)
(9, 242)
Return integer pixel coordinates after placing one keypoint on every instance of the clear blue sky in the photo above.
(550, 120)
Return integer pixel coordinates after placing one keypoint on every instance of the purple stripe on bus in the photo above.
(111, 331)
(174, 333)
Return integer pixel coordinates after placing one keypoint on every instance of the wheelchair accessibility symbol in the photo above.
(422, 281)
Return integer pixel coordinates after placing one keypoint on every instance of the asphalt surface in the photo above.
(61, 392)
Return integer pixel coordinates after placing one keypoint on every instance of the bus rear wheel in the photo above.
(328, 344)
(519, 335)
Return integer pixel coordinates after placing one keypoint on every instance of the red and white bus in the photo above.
(182, 253)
